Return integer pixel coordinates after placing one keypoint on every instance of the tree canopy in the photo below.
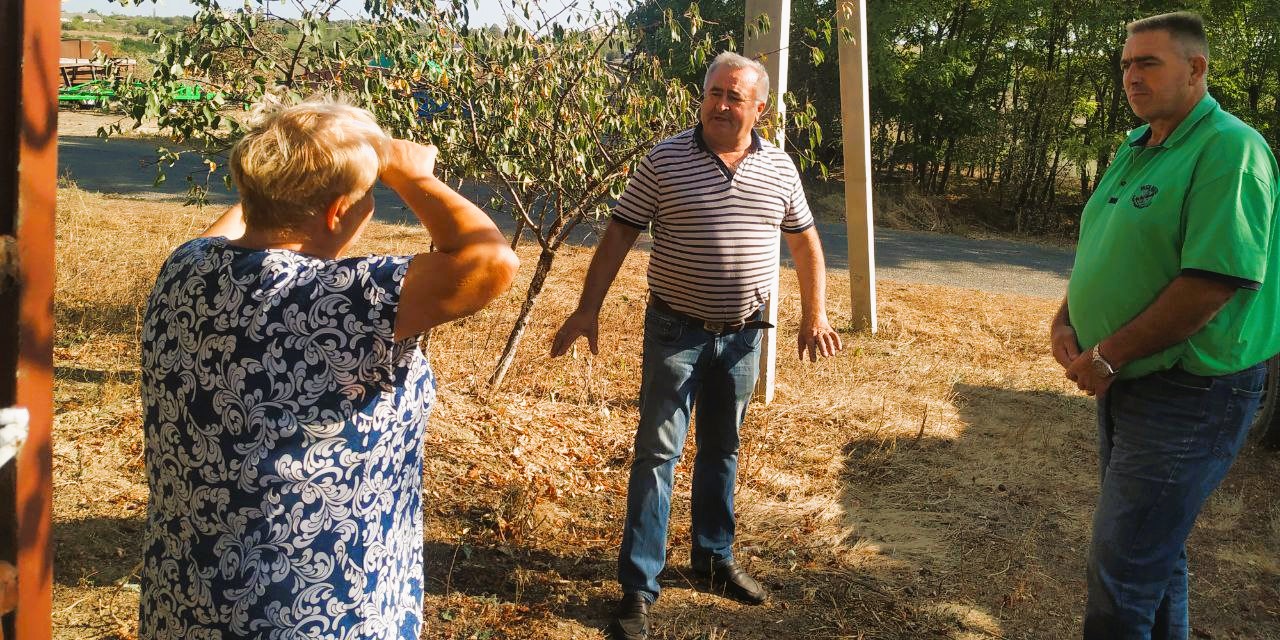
(549, 115)
(1019, 101)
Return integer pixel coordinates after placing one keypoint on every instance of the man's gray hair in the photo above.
(735, 61)
(1184, 27)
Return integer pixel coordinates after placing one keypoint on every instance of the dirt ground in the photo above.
(933, 481)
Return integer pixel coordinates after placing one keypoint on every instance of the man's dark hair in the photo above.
(1185, 27)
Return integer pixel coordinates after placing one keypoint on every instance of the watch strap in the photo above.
(1098, 359)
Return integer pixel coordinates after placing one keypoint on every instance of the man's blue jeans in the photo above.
(1165, 442)
(683, 362)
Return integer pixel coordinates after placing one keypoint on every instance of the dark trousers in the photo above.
(1165, 442)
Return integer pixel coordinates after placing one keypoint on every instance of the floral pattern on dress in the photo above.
(283, 448)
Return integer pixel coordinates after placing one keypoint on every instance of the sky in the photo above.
(486, 13)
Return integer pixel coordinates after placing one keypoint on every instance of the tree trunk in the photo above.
(522, 321)
(947, 157)
(515, 237)
(1090, 122)
(880, 166)
(1051, 181)
(1276, 104)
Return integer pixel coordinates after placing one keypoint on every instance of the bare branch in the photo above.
(303, 39)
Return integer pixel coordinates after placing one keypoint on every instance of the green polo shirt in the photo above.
(1204, 201)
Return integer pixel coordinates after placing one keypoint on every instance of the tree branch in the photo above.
(483, 148)
(303, 38)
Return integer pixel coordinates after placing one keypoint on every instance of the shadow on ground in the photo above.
(996, 520)
(964, 536)
(98, 551)
(977, 520)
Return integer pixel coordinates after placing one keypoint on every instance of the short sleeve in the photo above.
(376, 284)
(638, 204)
(280, 416)
(798, 217)
(1228, 225)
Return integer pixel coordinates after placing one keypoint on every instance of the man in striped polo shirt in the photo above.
(715, 198)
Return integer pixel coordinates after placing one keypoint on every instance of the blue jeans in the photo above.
(1165, 442)
(683, 362)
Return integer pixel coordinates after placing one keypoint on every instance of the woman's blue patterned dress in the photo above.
(283, 428)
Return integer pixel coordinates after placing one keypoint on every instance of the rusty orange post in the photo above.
(29, 42)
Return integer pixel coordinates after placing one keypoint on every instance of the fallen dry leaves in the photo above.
(934, 480)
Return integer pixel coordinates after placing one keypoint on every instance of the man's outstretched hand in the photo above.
(579, 324)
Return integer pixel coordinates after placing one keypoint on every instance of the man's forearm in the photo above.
(811, 271)
(1184, 307)
(1063, 317)
(614, 245)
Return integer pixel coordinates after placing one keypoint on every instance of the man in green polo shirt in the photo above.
(1171, 310)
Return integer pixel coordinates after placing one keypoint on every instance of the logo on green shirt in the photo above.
(1146, 193)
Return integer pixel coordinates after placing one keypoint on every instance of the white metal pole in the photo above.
(771, 48)
(851, 18)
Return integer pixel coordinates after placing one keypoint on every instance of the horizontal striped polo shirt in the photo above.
(715, 232)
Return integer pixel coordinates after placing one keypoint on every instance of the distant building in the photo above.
(87, 18)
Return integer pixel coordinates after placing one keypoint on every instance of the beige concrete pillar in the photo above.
(770, 48)
(851, 20)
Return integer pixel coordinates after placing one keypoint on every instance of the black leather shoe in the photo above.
(632, 619)
(728, 579)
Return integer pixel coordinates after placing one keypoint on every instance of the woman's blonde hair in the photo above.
(296, 160)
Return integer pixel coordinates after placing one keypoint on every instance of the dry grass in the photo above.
(896, 207)
(933, 481)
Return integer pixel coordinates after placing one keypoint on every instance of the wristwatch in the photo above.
(1101, 367)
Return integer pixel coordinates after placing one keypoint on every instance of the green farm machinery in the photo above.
(98, 93)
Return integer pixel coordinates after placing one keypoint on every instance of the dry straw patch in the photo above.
(935, 480)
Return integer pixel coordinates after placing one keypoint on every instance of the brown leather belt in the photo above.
(718, 328)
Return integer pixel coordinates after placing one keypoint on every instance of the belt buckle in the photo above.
(713, 327)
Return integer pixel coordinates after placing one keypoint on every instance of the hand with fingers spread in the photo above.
(585, 319)
(578, 324)
(818, 338)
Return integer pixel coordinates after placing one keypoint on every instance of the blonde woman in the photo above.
(285, 394)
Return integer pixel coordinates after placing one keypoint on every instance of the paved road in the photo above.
(126, 167)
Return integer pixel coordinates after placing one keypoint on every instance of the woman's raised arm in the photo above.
(472, 264)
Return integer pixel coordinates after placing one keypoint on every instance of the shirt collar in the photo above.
(756, 140)
(1139, 137)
